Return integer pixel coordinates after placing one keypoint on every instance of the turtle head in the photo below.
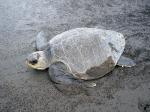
(38, 60)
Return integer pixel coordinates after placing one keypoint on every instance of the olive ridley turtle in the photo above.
(79, 54)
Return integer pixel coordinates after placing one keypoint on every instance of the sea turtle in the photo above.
(79, 54)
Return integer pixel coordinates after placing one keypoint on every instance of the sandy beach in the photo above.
(26, 90)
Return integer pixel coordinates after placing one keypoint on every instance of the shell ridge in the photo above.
(94, 56)
(102, 54)
(97, 44)
(81, 56)
(64, 50)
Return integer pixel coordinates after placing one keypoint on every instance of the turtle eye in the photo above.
(33, 62)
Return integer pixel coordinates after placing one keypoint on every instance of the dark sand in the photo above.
(27, 90)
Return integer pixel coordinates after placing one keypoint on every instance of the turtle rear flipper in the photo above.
(41, 42)
(65, 81)
(126, 62)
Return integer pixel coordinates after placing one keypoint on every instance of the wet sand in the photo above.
(26, 90)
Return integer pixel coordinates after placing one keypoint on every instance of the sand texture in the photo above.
(26, 90)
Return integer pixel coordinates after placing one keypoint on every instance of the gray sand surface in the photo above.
(26, 90)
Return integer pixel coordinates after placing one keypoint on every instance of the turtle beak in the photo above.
(26, 61)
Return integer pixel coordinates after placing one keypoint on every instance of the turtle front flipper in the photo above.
(65, 81)
(41, 41)
(125, 62)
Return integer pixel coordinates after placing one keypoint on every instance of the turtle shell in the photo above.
(89, 53)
